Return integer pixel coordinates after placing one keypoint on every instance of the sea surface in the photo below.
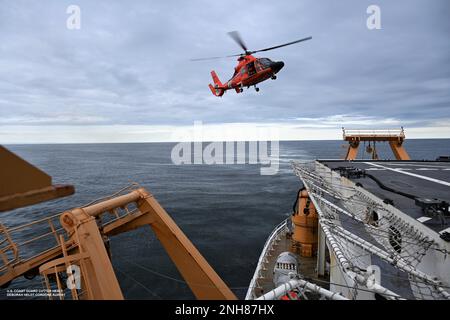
(227, 210)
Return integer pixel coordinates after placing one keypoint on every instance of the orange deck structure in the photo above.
(77, 239)
(395, 138)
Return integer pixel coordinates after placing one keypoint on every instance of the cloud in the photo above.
(129, 65)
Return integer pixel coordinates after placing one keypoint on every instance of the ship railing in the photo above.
(278, 230)
(302, 285)
(24, 243)
(8, 249)
(41, 229)
(65, 273)
(349, 133)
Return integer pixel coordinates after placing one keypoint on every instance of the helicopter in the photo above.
(250, 70)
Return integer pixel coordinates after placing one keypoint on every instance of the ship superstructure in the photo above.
(381, 229)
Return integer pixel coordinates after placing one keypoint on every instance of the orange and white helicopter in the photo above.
(250, 70)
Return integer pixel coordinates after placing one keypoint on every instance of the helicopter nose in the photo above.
(277, 66)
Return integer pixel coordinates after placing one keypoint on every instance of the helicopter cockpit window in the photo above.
(251, 68)
(265, 62)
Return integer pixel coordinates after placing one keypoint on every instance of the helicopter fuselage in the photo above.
(249, 72)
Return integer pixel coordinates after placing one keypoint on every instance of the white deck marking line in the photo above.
(423, 219)
(445, 230)
(426, 169)
(445, 183)
(419, 165)
(380, 169)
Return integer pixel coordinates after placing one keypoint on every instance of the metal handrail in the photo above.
(56, 231)
(23, 226)
(374, 132)
(277, 231)
(40, 237)
(15, 246)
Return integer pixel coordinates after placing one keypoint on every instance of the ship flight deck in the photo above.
(427, 181)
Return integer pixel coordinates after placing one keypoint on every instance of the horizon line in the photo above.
(203, 141)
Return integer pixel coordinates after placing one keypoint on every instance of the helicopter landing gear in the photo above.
(241, 90)
(257, 89)
(274, 77)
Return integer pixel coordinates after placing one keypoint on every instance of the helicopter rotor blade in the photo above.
(235, 55)
(237, 37)
(216, 58)
(204, 59)
(281, 45)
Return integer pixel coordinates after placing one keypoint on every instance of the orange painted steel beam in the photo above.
(22, 184)
(19, 200)
(399, 151)
(86, 239)
(35, 262)
(198, 274)
(128, 223)
(394, 137)
(19, 176)
(110, 204)
(204, 282)
(97, 273)
(352, 151)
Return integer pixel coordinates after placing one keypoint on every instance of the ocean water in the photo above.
(227, 211)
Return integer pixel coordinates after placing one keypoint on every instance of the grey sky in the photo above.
(129, 66)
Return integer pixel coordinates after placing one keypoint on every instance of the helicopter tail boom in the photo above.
(218, 89)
